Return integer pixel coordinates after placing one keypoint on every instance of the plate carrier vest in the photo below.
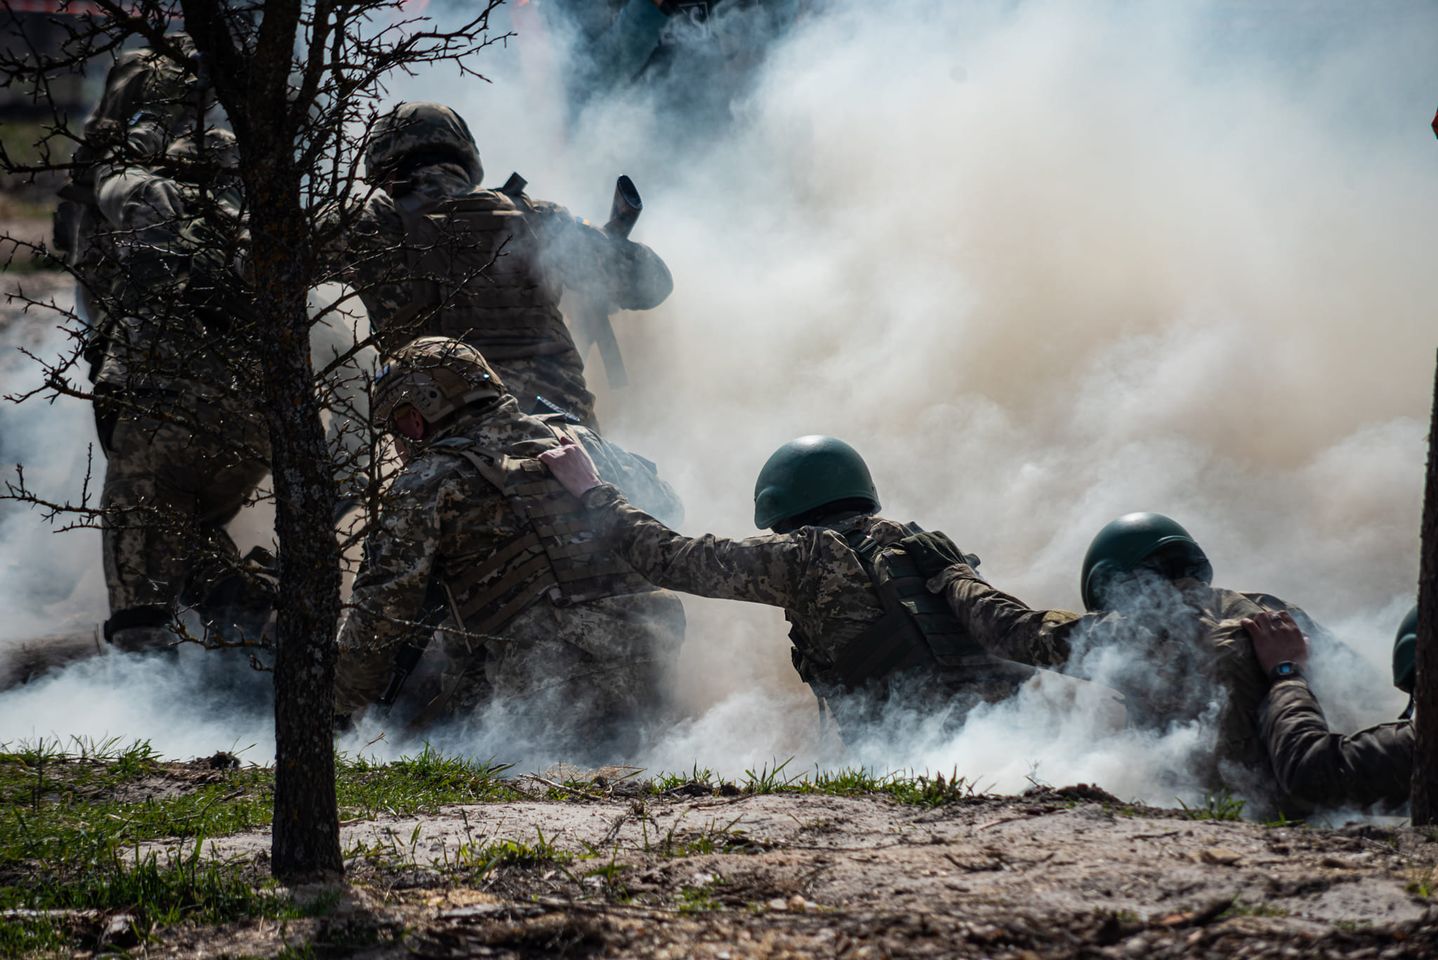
(473, 273)
(558, 556)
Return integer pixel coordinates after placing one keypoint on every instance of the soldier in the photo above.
(433, 253)
(1372, 766)
(1157, 631)
(865, 633)
(541, 620)
(184, 448)
(144, 84)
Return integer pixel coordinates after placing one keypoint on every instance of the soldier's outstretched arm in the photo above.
(388, 601)
(1311, 762)
(1006, 626)
(1329, 769)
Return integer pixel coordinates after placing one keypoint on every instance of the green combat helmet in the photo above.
(1137, 540)
(808, 473)
(421, 127)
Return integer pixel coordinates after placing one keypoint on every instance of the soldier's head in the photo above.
(209, 158)
(419, 134)
(431, 386)
(1405, 652)
(1134, 544)
(812, 480)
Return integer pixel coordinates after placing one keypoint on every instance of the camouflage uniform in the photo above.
(446, 257)
(1176, 644)
(142, 82)
(184, 450)
(815, 574)
(447, 533)
(1373, 766)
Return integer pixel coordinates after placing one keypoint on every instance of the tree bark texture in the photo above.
(1425, 690)
(254, 85)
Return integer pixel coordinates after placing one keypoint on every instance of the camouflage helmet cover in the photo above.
(420, 125)
(807, 473)
(1405, 650)
(438, 376)
(216, 150)
(1129, 542)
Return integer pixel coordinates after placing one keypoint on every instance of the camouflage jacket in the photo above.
(827, 596)
(573, 255)
(1373, 766)
(1182, 657)
(440, 516)
(175, 290)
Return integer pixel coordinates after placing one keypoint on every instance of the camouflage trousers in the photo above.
(171, 485)
(586, 680)
(557, 377)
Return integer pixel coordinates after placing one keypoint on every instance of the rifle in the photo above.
(593, 325)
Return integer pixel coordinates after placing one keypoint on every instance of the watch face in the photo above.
(1284, 670)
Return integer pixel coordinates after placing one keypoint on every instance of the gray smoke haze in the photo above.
(1043, 265)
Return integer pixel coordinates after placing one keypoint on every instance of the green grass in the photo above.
(1221, 806)
(920, 789)
(70, 831)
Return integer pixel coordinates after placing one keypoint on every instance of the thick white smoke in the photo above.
(1043, 265)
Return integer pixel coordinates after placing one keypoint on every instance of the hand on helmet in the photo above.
(932, 552)
(1276, 639)
(571, 466)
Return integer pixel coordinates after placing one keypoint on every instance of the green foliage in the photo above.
(920, 789)
(697, 899)
(74, 815)
(1221, 806)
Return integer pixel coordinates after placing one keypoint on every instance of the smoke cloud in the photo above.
(1042, 265)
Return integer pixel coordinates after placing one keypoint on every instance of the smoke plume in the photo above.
(1042, 265)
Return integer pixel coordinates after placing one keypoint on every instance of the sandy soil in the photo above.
(1056, 874)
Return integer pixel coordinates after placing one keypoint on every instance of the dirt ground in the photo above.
(1061, 873)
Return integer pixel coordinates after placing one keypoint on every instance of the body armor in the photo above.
(556, 556)
(917, 631)
(474, 273)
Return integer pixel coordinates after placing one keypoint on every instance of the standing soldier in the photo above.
(184, 448)
(1157, 631)
(541, 620)
(433, 253)
(143, 84)
(865, 632)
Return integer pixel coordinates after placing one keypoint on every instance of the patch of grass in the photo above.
(1240, 909)
(73, 816)
(1221, 806)
(419, 784)
(698, 899)
(920, 789)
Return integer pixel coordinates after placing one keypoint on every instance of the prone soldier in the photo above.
(540, 621)
(865, 633)
(1157, 630)
(434, 253)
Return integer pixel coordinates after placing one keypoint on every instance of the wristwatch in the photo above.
(1287, 670)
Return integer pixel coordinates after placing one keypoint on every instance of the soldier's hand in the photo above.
(932, 551)
(571, 466)
(1276, 639)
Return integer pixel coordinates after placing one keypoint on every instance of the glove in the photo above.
(932, 552)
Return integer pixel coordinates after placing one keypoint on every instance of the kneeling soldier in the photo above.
(541, 620)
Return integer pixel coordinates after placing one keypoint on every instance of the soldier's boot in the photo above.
(140, 629)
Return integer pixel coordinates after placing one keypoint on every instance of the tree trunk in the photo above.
(1425, 689)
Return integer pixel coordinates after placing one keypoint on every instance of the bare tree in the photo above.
(300, 84)
(1425, 689)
